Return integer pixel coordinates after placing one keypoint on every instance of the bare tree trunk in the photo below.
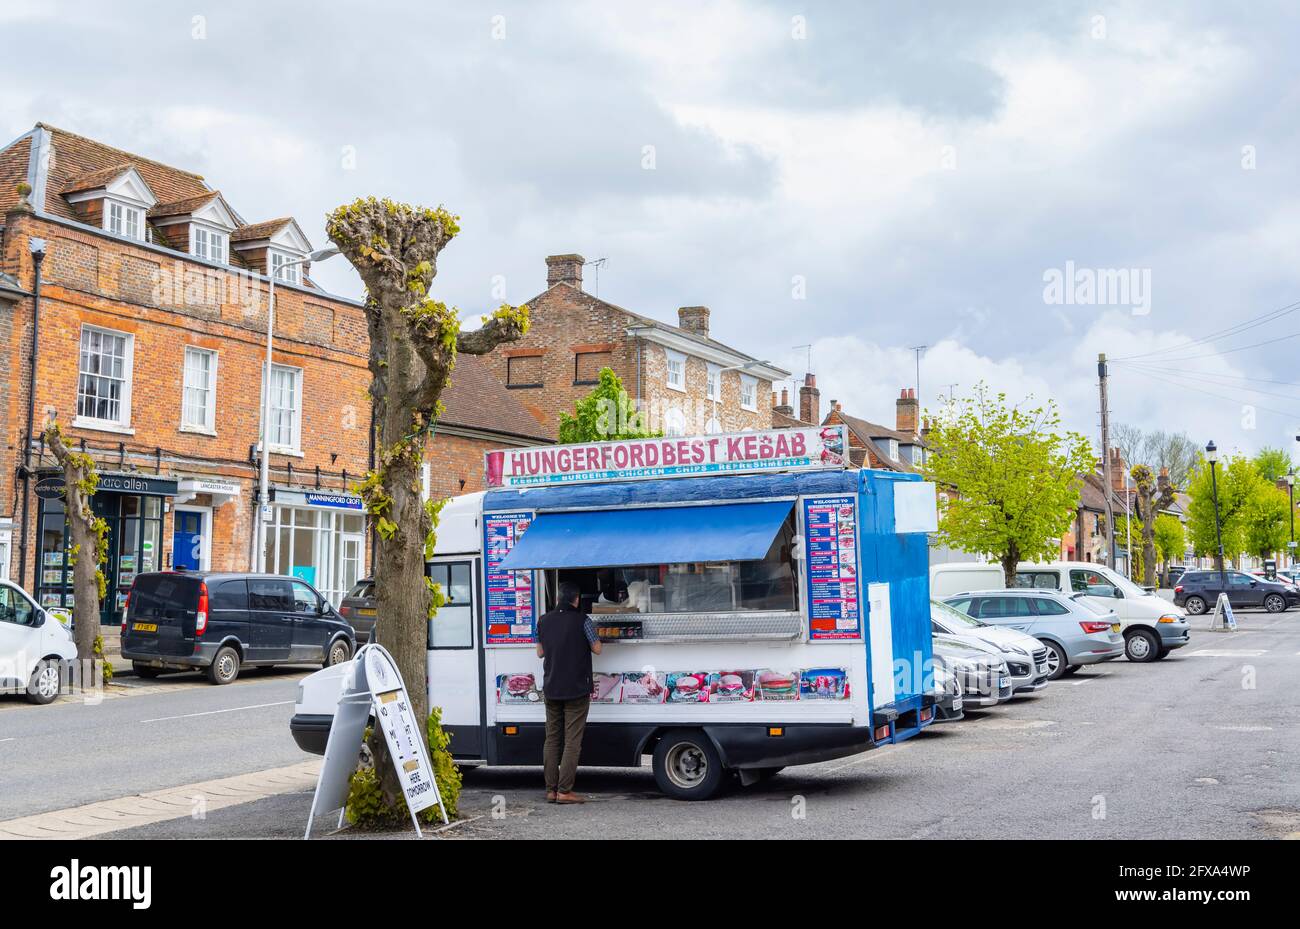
(1010, 562)
(413, 345)
(87, 532)
(1151, 499)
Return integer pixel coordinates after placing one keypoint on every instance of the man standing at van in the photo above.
(566, 640)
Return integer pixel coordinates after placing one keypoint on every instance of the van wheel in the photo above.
(225, 666)
(44, 686)
(144, 671)
(339, 652)
(687, 766)
(1141, 645)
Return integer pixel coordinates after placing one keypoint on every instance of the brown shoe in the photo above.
(570, 797)
(550, 796)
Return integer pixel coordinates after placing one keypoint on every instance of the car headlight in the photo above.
(967, 665)
(1170, 618)
(1017, 650)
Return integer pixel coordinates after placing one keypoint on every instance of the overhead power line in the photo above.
(1235, 329)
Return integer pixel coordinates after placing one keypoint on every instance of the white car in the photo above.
(1026, 657)
(34, 647)
(1152, 626)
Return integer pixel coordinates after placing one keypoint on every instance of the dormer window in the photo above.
(124, 220)
(286, 268)
(209, 243)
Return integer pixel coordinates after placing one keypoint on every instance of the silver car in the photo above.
(1027, 659)
(1075, 631)
(980, 670)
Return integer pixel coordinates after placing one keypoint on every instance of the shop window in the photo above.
(284, 428)
(104, 381)
(324, 547)
(587, 365)
(198, 403)
(766, 585)
(524, 371)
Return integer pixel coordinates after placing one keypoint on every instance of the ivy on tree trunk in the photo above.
(89, 540)
(414, 341)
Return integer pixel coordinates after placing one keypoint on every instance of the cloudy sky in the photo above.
(861, 177)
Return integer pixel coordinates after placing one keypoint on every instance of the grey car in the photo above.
(979, 670)
(1075, 631)
(1025, 656)
(358, 608)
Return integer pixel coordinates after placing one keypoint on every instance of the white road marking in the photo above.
(868, 756)
(1230, 652)
(11, 739)
(1244, 728)
(233, 709)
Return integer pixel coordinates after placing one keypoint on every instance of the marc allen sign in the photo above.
(50, 485)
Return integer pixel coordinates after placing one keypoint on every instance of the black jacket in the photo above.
(566, 654)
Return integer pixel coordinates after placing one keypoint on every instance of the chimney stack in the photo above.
(906, 411)
(694, 319)
(1117, 472)
(564, 269)
(810, 401)
(784, 407)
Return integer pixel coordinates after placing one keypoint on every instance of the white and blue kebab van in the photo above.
(760, 603)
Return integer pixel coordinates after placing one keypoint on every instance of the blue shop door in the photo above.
(187, 541)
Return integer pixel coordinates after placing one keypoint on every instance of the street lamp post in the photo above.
(264, 447)
(1212, 456)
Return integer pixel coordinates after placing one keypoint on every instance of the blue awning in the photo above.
(649, 536)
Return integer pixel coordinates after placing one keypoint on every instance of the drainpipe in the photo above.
(37, 247)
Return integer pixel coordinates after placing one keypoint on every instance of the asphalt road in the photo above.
(145, 735)
(1204, 744)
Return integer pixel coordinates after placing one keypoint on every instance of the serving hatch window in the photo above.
(768, 584)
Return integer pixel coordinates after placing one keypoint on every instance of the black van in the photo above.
(220, 622)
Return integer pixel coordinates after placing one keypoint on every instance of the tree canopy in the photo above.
(1254, 514)
(604, 414)
(1016, 475)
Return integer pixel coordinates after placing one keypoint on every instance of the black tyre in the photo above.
(45, 683)
(1057, 663)
(1141, 645)
(225, 666)
(1164, 653)
(1275, 603)
(1195, 605)
(144, 671)
(687, 766)
(1071, 669)
(338, 652)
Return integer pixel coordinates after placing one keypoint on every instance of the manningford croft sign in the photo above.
(639, 459)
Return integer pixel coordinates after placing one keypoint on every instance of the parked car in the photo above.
(1025, 656)
(979, 670)
(222, 622)
(34, 647)
(359, 609)
(1199, 590)
(951, 705)
(1141, 613)
(954, 577)
(1075, 632)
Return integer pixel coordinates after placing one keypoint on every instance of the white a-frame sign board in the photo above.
(1223, 620)
(373, 684)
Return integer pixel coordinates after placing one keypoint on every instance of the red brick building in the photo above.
(150, 353)
(872, 445)
(685, 381)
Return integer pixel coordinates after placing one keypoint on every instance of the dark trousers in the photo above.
(566, 720)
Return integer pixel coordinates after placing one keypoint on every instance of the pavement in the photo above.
(1203, 744)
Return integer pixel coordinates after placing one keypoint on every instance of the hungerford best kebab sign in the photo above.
(636, 459)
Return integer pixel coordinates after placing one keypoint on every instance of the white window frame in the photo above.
(127, 214)
(674, 358)
(209, 424)
(296, 447)
(713, 381)
(750, 383)
(287, 275)
(123, 423)
(674, 422)
(209, 243)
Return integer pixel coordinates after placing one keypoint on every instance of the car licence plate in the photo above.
(1114, 627)
(145, 627)
(956, 703)
(366, 611)
(1004, 682)
(1043, 668)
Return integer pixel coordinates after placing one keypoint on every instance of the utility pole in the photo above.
(1105, 462)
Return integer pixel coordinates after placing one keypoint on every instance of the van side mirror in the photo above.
(1119, 594)
(38, 618)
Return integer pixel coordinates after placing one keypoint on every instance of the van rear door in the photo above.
(161, 617)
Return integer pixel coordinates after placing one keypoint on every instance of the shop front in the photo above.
(133, 506)
(318, 536)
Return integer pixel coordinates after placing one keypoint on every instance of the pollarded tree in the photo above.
(1017, 477)
(604, 415)
(414, 341)
(1151, 498)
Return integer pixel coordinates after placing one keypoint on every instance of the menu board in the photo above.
(831, 534)
(511, 607)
